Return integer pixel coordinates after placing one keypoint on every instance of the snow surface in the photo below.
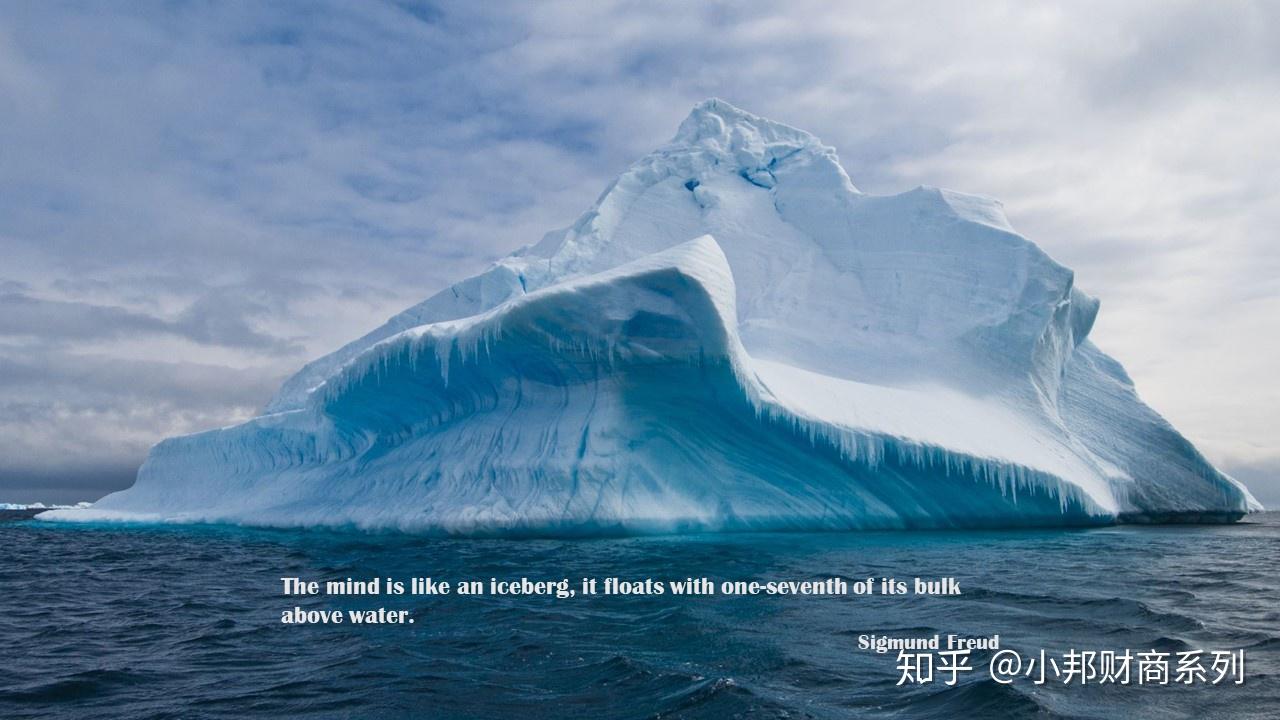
(732, 337)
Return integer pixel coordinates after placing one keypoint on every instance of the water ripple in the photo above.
(184, 622)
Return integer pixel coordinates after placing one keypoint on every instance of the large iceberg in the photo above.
(733, 337)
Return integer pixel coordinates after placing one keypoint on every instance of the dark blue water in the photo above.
(184, 622)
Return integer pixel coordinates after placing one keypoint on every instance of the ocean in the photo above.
(185, 622)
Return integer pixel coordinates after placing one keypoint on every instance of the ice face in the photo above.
(733, 336)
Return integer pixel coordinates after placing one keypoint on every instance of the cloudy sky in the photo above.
(195, 198)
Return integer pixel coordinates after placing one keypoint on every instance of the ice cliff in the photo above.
(732, 337)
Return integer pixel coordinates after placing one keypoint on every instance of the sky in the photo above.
(196, 198)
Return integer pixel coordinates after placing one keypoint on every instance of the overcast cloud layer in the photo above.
(197, 198)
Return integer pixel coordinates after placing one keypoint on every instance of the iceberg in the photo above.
(734, 337)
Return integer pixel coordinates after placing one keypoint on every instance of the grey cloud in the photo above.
(1263, 479)
(73, 427)
(94, 380)
(221, 319)
(1186, 46)
(214, 319)
(25, 315)
(65, 485)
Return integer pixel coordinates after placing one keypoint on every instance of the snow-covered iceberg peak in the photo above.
(926, 285)
(732, 336)
(930, 285)
(754, 147)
